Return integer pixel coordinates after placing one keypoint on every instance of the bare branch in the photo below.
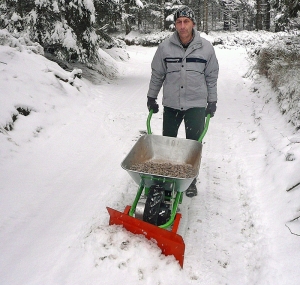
(293, 187)
(291, 231)
(294, 219)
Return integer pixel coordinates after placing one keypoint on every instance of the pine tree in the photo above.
(80, 17)
(65, 28)
(286, 10)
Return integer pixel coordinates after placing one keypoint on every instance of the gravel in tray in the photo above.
(165, 169)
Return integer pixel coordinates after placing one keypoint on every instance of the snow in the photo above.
(139, 3)
(60, 169)
(89, 5)
(69, 40)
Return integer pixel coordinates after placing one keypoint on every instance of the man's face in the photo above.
(184, 27)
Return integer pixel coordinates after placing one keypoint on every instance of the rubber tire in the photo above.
(153, 204)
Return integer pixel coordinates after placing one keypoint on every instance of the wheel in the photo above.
(164, 214)
(153, 204)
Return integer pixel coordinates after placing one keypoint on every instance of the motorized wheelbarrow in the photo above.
(154, 212)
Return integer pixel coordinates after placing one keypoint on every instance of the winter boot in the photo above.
(192, 190)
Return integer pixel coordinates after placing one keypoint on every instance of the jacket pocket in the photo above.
(195, 64)
(173, 71)
(173, 64)
(196, 85)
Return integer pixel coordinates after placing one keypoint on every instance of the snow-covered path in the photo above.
(55, 187)
(225, 215)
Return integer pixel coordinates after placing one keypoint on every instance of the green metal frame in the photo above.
(177, 199)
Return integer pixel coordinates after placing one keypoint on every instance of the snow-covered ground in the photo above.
(60, 168)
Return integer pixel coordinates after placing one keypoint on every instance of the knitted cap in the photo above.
(185, 11)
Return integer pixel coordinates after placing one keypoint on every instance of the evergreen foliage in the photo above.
(74, 30)
(287, 14)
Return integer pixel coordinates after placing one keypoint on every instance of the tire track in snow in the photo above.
(223, 218)
(223, 223)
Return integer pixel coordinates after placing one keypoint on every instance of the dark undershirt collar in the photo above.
(185, 46)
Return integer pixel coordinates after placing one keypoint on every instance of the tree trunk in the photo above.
(205, 14)
(268, 16)
(127, 20)
(226, 20)
(162, 7)
(212, 16)
(197, 11)
(258, 24)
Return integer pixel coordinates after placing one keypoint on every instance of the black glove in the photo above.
(152, 105)
(211, 109)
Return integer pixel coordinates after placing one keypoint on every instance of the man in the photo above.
(187, 68)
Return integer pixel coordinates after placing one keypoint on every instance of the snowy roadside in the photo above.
(60, 168)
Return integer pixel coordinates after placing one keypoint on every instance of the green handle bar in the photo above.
(148, 122)
(200, 138)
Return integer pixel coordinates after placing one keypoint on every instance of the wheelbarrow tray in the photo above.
(165, 150)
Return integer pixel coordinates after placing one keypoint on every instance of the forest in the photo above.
(76, 29)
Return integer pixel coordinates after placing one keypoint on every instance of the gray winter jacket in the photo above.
(189, 78)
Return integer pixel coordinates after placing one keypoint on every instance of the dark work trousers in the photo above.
(193, 118)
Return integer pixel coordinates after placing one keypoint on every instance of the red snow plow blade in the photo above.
(168, 241)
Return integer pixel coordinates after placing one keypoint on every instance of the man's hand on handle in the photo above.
(152, 105)
(211, 109)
